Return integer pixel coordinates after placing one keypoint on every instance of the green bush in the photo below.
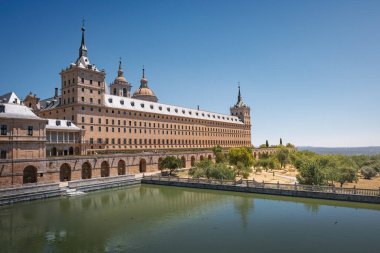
(368, 172)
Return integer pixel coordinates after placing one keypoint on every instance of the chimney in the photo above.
(56, 92)
(198, 107)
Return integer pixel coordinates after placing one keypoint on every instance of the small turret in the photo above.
(144, 92)
(120, 86)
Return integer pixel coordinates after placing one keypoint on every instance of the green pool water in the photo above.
(170, 219)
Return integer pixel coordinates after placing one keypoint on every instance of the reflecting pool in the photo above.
(171, 219)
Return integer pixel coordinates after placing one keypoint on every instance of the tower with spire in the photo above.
(241, 110)
(144, 92)
(82, 84)
(120, 86)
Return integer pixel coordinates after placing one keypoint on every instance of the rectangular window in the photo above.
(82, 119)
(90, 81)
(3, 154)
(3, 129)
(91, 140)
(82, 80)
(30, 130)
(82, 99)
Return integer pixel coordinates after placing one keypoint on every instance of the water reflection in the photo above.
(245, 207)
(153, 218)
(312, 207)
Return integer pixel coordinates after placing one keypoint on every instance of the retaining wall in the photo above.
(30, 192)
(293, 193)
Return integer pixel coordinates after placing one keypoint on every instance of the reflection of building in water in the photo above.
(244, 206)
(109, 213)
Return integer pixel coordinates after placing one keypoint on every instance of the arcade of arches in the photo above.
(90, 167)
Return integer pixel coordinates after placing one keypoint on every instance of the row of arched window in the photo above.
(30, 172)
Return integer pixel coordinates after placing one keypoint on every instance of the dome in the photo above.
(144, 92)
(120, 79)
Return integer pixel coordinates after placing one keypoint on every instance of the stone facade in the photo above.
(114, 134)
(120, 122)
(66, 168)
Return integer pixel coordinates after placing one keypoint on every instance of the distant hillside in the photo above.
(344, 151)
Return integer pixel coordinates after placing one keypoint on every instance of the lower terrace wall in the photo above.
(13, 173)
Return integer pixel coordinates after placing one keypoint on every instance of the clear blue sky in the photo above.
(309, 70)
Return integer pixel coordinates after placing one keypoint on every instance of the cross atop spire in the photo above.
(82, 49)
(143, 74)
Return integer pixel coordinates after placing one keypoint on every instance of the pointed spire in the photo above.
(120, 71)
(239, 102)
(239, 94)
(143, 81)
(82, 49)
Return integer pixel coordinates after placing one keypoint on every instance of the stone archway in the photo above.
(201, 158)
(121, 167)
(159, 163)
(105, 169)
(142, 166)
(192, 160)
(65, 172)
(86, 170)
(29, 175)
(183, 159)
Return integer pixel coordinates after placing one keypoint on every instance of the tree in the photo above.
(267, 163)
(346, 174)
(243, 170)
(282, 156)
(289, 145)
(280, 141)
(219, 155)
(221, 171)
(242, 155)
(207, 169)
(368, 172)
(200, 169)
(311, 172)
(267, 143)
(171, 162)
